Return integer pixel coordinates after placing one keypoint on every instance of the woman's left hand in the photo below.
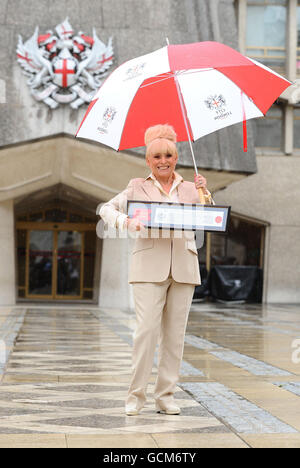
(200, 182)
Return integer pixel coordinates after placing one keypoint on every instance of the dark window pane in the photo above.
(56, 215)
(36, 217)
(68, 263)
(87, 294)
(40, 262)
(21, 293)
(75, 218)
(297, 128)
(298, 39)
(298, 26)
(89, 258)
(268, 131)
(21, 256)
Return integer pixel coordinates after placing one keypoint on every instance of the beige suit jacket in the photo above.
(153, 258)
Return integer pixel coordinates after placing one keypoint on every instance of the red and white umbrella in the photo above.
(197, 88)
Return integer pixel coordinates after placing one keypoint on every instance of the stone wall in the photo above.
(137, 27)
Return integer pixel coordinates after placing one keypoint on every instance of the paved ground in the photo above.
(66, 379)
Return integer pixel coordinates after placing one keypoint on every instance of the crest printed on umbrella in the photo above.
(217, 103)
(108, 117)
(135, 71)
(63, 67)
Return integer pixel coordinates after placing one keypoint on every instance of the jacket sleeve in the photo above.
(114, 212)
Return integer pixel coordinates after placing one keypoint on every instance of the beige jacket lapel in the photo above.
(187, 193)
(152, 192)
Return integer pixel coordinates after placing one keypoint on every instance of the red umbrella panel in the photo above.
(197, 88)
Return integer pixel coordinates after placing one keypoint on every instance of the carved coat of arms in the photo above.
(64, 68)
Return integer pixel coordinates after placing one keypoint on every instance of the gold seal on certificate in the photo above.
(183, 216)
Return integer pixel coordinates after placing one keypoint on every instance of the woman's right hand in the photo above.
(133, 224)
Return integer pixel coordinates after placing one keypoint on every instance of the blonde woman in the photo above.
(163, 273)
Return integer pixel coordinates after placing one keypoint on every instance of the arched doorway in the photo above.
(56, 249)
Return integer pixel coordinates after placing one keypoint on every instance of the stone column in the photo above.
(114, 288)
(242, 25)
(291, 40)
(291, 73)
(288, 129)
(7, 254)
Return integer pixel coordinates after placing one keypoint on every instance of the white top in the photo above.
(172, 196)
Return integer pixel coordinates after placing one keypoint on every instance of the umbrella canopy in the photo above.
(197, 88)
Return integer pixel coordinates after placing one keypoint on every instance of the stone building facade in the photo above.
(52, 184)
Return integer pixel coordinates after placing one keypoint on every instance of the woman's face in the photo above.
(162, 164)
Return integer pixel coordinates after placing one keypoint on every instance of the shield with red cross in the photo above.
(64, 72)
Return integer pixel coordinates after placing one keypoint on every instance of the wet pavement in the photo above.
(68, 368)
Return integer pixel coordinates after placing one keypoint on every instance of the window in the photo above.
(269, 31)
(266, 31)
(298, 39)
(297, 127)
(54, 213)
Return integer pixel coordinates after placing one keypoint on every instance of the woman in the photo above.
(163, 273)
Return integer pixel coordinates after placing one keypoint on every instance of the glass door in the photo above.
(40, 262)
(55, 261)
(69, 264)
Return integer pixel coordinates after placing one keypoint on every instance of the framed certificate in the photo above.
(183, 216)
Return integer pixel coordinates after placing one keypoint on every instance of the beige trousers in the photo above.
(161, 316)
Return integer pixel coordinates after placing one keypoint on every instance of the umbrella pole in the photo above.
(200, 191)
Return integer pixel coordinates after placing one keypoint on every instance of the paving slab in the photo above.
(65, 377)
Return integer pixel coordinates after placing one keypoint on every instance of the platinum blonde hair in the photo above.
(160, 139)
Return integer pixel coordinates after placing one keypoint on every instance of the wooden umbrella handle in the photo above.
(201, 196)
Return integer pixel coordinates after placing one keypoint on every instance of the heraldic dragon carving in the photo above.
(64, 68)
